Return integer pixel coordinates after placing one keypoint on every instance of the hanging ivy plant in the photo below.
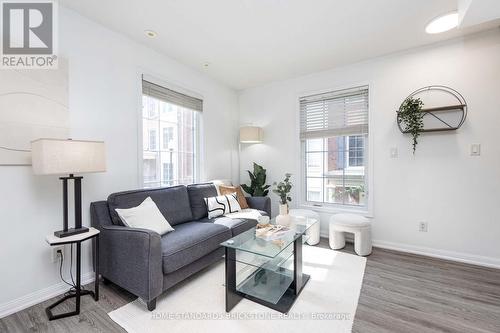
(410, 118)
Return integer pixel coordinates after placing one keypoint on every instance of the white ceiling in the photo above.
(251, 42)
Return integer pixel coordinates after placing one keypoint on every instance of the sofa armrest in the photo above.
(131, 258)
(99, 214)
(260, 203)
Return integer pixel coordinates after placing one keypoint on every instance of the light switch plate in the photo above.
(475, 149)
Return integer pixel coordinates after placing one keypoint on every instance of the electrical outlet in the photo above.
(55, 253)
(422, 226)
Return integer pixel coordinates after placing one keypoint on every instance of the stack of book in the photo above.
(270, 232)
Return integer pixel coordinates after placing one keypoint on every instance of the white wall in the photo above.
(105, 91)
(455, 193)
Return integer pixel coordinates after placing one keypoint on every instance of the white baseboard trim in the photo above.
(39, 296)
(435, 253)
(441, 254)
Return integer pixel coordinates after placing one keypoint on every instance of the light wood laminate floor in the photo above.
(401, 293)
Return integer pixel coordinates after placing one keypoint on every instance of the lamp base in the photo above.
(70, 232)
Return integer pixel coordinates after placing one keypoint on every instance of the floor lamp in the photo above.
(248, 135)
(68, 157)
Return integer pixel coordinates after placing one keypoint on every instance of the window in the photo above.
(168, 137)
(168, 173)
(355, 151)
(170, 125)
(334, 136)
(152, 139)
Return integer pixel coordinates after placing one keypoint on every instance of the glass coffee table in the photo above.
(268, 272)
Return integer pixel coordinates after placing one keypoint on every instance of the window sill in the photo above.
(364, 211)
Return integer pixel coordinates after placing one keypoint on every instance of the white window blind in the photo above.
(171, 96)
(170, 132)
(338, 113)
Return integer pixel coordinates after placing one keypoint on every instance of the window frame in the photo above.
(301, 191)
(199, 151)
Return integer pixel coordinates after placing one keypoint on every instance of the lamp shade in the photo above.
(250, 134)
(62, 157)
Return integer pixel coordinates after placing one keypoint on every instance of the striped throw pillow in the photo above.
(222, 204)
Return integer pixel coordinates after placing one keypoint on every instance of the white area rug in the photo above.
(327, 303)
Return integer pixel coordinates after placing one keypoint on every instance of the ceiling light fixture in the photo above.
(150, 33)
(442, 23)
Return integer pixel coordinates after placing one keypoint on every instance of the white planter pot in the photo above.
(362, 198)
(283, 218)
(284, 209)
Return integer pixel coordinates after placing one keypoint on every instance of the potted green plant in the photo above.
(356, 194)
(410, 118)
(257, 187)
(283, 189)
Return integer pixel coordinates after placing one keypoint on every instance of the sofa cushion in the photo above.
(239, 194)
(189, 242)
(222, 205)
(237, 226)
(219, 182)
(242, 227)
(173, 203)
(145, 216)
(197, 194)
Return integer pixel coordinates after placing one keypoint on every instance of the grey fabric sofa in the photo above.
(145, 263)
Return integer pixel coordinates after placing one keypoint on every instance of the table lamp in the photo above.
(68, 157)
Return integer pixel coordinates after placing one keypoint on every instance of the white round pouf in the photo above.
(313, 231)
(351, 223)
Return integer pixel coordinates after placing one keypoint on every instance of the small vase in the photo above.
(283, 218)
(362, 198)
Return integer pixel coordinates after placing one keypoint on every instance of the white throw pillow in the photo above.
(218, 182)
(146, 216)
(222, 204)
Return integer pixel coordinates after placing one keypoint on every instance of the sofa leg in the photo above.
(152, 304)
(105, 281)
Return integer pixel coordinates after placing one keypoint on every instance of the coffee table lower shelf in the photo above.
(286, 285)
(284, 304)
